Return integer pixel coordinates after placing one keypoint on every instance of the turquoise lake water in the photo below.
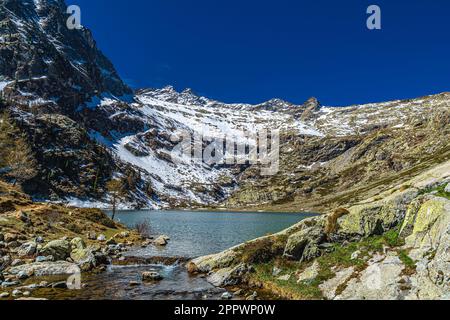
(201, 233)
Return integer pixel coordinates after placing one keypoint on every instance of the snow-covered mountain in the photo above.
(86, 127)
(163, 112)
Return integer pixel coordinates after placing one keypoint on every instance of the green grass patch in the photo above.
(410, 264)
(288, 289)
(439, 191)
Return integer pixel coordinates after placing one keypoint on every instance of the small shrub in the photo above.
(74, 228)
(53, 217)
(143, 228)
(393, 239)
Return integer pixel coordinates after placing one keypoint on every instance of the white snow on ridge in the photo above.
(222, 120)
(3, 85)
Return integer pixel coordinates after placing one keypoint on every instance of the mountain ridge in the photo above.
(87, 127)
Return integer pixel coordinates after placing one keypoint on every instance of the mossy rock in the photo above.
(378, 217)
(430, 222)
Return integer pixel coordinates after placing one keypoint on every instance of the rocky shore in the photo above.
(41, 241)
(395, 245)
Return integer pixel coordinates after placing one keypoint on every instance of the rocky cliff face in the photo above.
(54, 67)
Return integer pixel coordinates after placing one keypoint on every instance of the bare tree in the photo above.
(115, 189)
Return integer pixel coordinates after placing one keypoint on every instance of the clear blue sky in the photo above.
(254, 50)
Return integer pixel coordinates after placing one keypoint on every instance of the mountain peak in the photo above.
(312, 104)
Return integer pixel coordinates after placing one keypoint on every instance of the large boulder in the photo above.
(304, 244)
(377, 217)
(430, 223)
(27, 249)
(45, 269)
(229, 276)
(77, 243)
(216, 261)
(84, 258)
(58, 249)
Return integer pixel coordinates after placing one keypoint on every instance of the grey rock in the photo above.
(17, 262)
(77, 243)
(286, 277)
(84, 258)
(46, 268)
(227, 296)
(91, 236)
(309, 273)
(229, 276)
(161, 241)
(8, 284)
(151, 276)
(43, 259)
(27, 249)
(22, 275)
(276, 271)
(58, 249)
(304, 244)
(16, 293)
(39, 240)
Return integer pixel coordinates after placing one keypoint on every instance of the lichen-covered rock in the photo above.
(304, 245)
(27, 249)
(229, 276)
(309, 273)
(376, 218)
(430, 246)
(428, 223)
(84, 258)
(408, 223)
(216, 261)
(77, 243)
(58, 249)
